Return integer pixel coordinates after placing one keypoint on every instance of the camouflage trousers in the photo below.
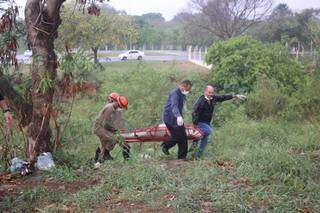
(106, 137)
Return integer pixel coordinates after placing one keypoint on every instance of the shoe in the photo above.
(97, 165)
(107, 156)
(165, 150)
(198, 154)
(126, 152)
(96, 157)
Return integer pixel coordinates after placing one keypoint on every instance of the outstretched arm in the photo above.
(221, 98)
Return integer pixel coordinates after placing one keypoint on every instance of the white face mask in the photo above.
(185, 92)
(119, 110)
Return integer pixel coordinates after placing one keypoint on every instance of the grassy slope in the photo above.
(249, 165)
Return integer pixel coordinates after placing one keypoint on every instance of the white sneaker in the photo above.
(97, 165)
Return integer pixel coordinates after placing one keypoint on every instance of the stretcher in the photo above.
(158, 133)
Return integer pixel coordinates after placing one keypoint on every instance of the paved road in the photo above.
(176, 56)
(156, 58)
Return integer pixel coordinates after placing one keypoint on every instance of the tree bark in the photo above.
(95, 54)
(42, 21)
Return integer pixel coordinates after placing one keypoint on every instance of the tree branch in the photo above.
(53, 7)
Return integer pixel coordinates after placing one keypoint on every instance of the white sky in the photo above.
(169, 8)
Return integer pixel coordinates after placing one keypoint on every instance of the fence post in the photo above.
(298, 49)
(194, 53)
(189, 52)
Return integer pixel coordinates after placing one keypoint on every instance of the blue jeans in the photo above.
(207, 130)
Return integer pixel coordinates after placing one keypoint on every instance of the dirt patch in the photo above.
(69, 187)
(14, 184)
(241, 182)
(306, 210)
(129, 206)
(60, 208)
(315, 155)
(207, 207)
(299, 152)
(225, 165)
(172, 164)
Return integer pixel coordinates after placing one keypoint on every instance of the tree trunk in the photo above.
(42, 21)
(17, 103)
(95, 54)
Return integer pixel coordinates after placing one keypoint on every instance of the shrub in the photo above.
(238, 62)
(305, 103)
(266, 100)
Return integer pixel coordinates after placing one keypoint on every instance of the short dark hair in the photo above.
(186, 82)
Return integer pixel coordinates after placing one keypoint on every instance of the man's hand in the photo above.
(9, 120)
(179, 121)
(241, 97)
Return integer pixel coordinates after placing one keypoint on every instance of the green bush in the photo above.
(238, 62)
(266, 100)
(305, 103)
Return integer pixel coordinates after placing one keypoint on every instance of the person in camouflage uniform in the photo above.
(108, 124)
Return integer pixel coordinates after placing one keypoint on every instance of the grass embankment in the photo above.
(268, 166)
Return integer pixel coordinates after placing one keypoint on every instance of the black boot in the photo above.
(164, 149)
(126, 152)
(96, 157)
(106, 155)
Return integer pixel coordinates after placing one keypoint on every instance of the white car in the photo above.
(27, 53)
(131, 54)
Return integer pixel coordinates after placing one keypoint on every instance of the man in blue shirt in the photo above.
(173, 118)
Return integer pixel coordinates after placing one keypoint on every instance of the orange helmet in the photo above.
(113, 96)
(122, 102)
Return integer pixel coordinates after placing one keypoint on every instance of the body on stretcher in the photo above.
(158, 133)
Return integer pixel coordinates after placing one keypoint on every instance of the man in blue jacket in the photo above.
(203, 112)
(173, 118)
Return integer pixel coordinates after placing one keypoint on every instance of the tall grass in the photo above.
(249, 166)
